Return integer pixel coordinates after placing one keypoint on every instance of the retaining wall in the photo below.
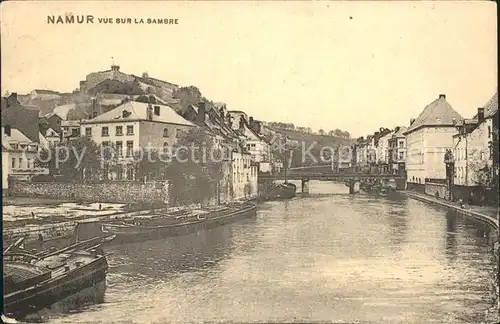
(116, 192)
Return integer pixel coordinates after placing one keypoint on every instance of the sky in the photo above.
(356, 66)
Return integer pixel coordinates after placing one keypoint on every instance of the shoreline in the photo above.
(491, 221)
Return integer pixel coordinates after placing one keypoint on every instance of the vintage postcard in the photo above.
(249, 162)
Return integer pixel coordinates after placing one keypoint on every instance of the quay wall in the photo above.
(437, 190)
(479, 216)
(112, 192)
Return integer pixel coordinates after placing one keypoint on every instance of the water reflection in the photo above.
(327, 257)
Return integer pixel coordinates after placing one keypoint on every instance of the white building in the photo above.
(427, 139)
(20, 154)
(473, 151)
(245, 176)
(44, 94)
(383, 148)
(134, 126)
(397, 151)
(5, 169)
(50, 138)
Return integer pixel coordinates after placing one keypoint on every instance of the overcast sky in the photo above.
(353, 66)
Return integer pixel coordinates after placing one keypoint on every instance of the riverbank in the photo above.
(487, 214)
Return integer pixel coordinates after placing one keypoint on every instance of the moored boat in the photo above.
(173, 224)
(42, 241)
(284, 190)
(33, 283)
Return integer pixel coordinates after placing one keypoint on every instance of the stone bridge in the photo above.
(350, 179)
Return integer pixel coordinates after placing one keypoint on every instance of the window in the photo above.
(29, 163)
(88, 131)
(178, 133)
(157, 110)
(130, 172)
(401, 155)
(130, 130)
(401, 144)
(489, 131)
(119, 130)
(119, 173)
(119, 148)
(130, 147)
(165, 132)
(165, 148)
(74, 131)
(105, 143)
(13, 165)
(20, 162)
(104, 131)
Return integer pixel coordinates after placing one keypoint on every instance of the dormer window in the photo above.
(125, 114)
(157, 110)
(7, 130)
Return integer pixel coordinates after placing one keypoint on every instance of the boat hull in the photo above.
(145, 233)
(282, 191)
(20, 304)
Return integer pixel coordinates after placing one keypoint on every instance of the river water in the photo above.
(326, 257)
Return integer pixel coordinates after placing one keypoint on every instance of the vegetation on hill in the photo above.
(308, 149)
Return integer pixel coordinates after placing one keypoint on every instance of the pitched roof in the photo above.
(437, 113)
(491, 107)
(138, 111)
(16, 136)
(400, 132)
(43, 91)
(19, 117)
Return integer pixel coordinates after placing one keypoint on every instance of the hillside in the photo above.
(305, 141)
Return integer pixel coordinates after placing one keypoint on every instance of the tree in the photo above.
(195, 171)
(321, 132)
(150, 164)
(188, 96)
(78, 159)
(331, 133)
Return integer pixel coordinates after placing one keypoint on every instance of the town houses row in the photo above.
(417, 150)
(134, 123)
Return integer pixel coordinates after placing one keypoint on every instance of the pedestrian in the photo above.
(461, 202)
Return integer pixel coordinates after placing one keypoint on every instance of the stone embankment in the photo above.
(487, 215)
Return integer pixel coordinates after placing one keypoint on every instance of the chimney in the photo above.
(480, 115)
(221, 114)
(442, 96)
(242, 122)
(7, 130)
(397, 129)
(228, 119)
(201, 112)
(150, 112)
(412, 121)
(115, 67)
(250, 121)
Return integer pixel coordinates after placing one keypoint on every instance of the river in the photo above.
(326, 257)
